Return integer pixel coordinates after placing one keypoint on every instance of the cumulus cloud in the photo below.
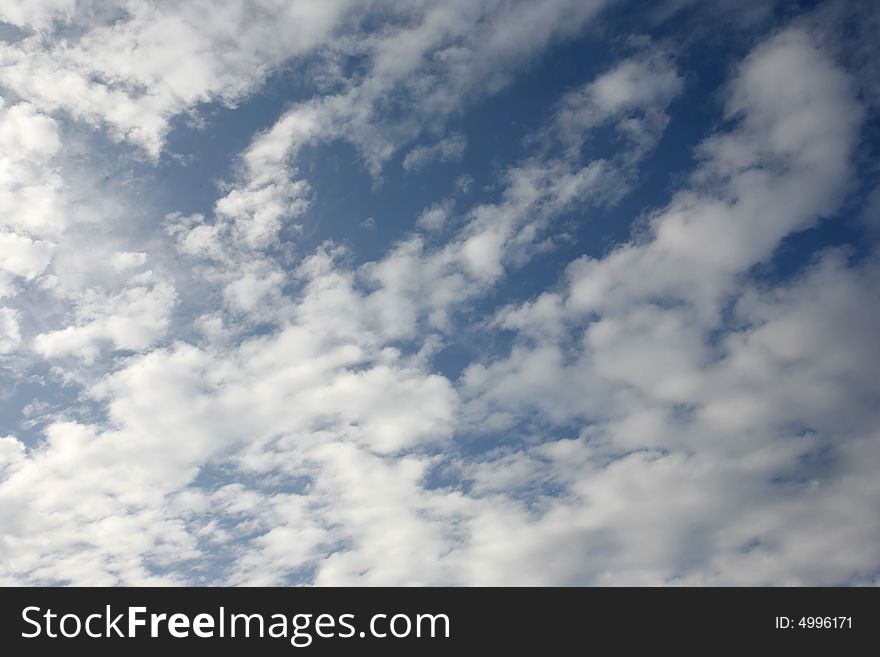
(435, 216)
(10, 336)
(132, 319)
(631, 347)
(30, 189)
(133, 66)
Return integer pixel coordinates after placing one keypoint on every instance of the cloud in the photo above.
(784, 167)
(10, 336)
(435, 216)
(23, 257)
(672, 284)
(132, 66)
(348, 408)
(30, 191)
(131, 319)
(704, 436)
(430, 63)
(634, 95)
(446, 150)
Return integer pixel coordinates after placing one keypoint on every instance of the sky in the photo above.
(468, 292)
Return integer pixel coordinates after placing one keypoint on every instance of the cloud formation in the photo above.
(210, 397)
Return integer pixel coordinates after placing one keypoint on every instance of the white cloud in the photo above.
(134, 318)
(633, 96)
(29, 191)
(132, 66)
(125, 260)
(787, 94)
(433, 58)
(446, 150)
(60, 235)
(434, 217)
(731, 432)
(253, 290)
(24, 257)
(10, 336)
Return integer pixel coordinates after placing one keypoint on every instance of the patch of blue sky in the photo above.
(32, 400)
(203, 148)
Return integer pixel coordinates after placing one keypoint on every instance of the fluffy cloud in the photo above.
(30, 189)
(132, 319)
(132, 66)
(10, 336)
(634, 95)
(714, 437)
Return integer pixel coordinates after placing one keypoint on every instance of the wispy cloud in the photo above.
(445, 150)
(591, 357)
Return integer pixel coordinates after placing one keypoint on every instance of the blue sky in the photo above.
(570, 292)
